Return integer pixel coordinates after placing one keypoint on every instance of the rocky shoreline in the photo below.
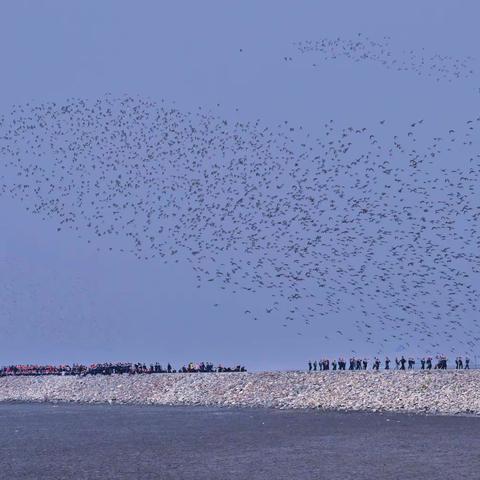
(435, 392)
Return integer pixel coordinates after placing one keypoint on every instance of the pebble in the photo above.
(435, 392)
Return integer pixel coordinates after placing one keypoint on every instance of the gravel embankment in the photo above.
(440, 392)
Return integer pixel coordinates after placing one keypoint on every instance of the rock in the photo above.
(438, 392)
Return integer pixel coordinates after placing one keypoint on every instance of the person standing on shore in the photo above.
(387, 363)
(402, 363)
(314, 365)
(429, 363)
(441, 362)
(467, 363)
(422, 364)
(309, 365)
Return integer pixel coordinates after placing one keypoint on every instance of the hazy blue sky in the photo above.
(61, 300)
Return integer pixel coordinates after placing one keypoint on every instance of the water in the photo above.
(70, 441)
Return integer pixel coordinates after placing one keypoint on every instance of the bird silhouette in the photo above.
(312, 224)
(382, 52)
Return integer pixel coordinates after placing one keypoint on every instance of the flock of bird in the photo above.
(363, 49)
(346, 220)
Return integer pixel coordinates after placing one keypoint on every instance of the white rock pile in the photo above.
(439, 392)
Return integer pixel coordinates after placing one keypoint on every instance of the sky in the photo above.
(66, 300)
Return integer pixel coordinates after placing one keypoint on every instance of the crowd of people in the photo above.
(113, 368)
(402, 363)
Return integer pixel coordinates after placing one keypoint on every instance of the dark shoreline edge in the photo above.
(317, 410)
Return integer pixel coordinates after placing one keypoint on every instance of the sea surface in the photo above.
(73, 441)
